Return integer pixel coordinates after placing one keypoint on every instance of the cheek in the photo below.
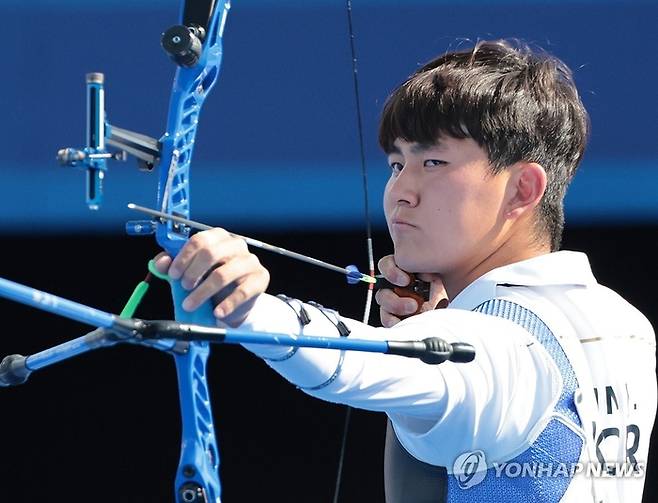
(480, 210)
(388, 201)
(463, 214)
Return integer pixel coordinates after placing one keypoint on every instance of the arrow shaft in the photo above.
(253, 242)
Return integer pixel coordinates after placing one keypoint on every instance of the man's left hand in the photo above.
(216, 266)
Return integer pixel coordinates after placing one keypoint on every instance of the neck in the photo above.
(509, 252)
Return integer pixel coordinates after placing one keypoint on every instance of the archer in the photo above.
(482, 144)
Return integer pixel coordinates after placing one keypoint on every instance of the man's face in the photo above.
(443, 206)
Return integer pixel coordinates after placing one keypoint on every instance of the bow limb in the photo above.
(190, 88)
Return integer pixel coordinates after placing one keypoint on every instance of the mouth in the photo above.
(401, 223)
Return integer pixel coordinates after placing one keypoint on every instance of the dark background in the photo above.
(105, 426)
(276, 158)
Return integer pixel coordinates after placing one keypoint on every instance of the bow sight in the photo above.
(94, 156)
(184, 45)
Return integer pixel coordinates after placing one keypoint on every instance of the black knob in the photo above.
(70, 156)
(462, 352)
(13, 370)
(183, 45)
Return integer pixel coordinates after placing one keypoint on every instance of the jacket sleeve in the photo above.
(494, 402)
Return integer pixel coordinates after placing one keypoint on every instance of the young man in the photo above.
(560, 400)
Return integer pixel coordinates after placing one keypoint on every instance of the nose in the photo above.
(403, 190)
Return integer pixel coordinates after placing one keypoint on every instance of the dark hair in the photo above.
(517, 104)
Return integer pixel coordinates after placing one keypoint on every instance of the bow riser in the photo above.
(197, 478)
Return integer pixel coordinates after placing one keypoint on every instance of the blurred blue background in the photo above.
(277, 146)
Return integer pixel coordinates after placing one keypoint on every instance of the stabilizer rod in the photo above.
(431, 350)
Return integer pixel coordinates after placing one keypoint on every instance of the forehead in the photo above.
(401, 146)
(456, 149)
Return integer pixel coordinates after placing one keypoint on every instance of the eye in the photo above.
(396, 167)
(429, 163)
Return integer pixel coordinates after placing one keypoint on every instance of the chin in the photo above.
(410, 263)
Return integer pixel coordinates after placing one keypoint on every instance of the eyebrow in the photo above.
(417, 148)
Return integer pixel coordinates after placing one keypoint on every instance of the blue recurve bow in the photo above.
(195, 45)
(197, 477)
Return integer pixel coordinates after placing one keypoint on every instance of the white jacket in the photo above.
(564, 374)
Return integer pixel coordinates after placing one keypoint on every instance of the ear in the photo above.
(525, 187)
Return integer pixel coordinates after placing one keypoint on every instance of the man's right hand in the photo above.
(392, 307)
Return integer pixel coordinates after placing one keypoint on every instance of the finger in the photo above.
(430, 277)
(219, 278)
(192, 247)
(431, 306)
(396, 305)
(235, 308)
(208, 259)
(387, 319)
(392, 272)
(438, 295)
(419, 300)
(443, 303)
(162, 261)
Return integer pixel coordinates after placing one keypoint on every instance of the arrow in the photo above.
(352, 273)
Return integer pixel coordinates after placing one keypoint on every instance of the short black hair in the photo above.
(517, 103)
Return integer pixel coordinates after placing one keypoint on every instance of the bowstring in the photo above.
(371, 259)
(364, 171)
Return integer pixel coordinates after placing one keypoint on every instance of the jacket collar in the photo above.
(551, 269)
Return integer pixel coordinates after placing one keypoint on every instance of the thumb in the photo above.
(162, 262)
(438, 295)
